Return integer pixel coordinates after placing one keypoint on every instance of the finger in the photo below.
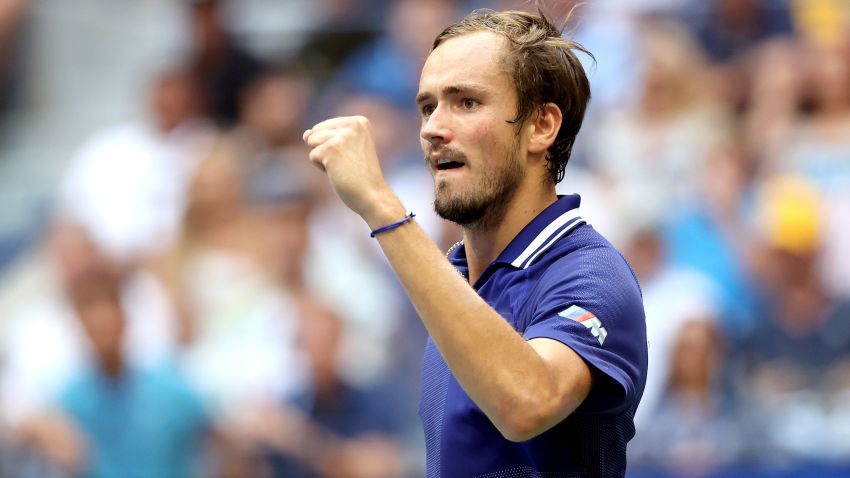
(340, 122)
(317, 138)
(331, 123)
(317, 156)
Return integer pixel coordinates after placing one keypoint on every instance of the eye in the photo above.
(426, 110)
(469, 103)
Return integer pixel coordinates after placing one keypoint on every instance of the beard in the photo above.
(484, 203)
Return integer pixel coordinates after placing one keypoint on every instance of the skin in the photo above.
(524, 387)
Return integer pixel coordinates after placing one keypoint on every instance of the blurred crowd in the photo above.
(197, 302)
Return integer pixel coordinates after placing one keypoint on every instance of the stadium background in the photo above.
(180, 295)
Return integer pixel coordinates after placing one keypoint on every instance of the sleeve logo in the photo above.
(588, 319)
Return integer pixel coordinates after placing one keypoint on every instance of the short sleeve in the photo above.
(593, 304)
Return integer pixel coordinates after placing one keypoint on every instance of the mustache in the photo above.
(445, 153)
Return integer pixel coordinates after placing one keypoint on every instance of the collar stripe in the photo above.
(545, 234)
(576, 222)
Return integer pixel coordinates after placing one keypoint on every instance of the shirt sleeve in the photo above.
(593, 305)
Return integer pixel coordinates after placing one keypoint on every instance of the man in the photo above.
(113, 418)
(540, 372)
(127, 184)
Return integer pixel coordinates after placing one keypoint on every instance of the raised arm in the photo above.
(524, 387)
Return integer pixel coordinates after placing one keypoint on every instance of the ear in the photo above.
(544, 127)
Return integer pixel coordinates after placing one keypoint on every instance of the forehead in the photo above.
(469, 58)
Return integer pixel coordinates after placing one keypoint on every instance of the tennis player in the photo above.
(536, 359)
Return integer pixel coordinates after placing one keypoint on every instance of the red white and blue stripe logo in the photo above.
(588, 319)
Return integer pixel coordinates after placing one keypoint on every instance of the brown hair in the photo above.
(544, 69)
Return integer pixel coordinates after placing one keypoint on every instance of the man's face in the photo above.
(474, 154)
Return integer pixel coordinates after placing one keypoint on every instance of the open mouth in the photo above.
(446, 165)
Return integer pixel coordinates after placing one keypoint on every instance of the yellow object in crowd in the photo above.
(789, 213)
(823, 23)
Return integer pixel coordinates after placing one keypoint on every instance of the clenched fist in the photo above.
(343, 148)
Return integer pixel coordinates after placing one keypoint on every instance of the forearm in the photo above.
(494, 364)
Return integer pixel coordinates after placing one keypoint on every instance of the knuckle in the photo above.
(362, 121)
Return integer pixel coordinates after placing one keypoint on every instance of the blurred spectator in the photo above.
(650, 151)
(240, 350)
(818, 148)
(43, 345)
(341, 430)
(367, 419)
(731, 27)
(805, 332)
(343, 416)
(278, 204)
(272, 111)
(142, 423)
(126, 185)
(272, 119)
(710, 234)
(223, 67)
(672, 296)
(113, 418)
(694, 430)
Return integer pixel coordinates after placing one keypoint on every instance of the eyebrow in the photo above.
(453, 90)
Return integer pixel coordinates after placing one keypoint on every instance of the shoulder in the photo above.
(585, 265)
(588, 298)
(586, 276)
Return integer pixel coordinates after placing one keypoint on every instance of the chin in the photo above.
(445, 196)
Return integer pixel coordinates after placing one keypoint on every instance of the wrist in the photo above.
(385, 211)
(408, 216)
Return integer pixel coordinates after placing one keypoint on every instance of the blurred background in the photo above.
(181, 295)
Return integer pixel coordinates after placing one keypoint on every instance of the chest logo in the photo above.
(588, 319)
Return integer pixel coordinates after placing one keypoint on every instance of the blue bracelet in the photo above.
(390, 227)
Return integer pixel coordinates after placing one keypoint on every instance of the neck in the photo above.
(484, 243)
(113, 367)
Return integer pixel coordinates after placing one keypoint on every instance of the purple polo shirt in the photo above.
(562, 280)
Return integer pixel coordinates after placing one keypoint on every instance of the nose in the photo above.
(435, 128)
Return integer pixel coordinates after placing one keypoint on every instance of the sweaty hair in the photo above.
(544, 69)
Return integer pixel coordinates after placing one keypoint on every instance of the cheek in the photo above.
(485, 140)
(499, 142)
